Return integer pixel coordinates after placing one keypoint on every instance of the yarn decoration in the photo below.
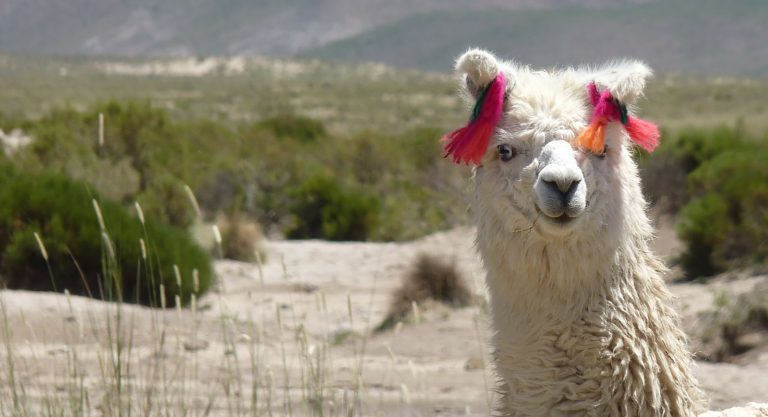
(609, 109)
(469, 143)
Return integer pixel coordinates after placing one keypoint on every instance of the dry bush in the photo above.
(430, 278)
(737, 325)
(241, 238)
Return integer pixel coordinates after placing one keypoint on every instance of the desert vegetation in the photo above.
(56, 235)
(294, 178)
(715, 182)
(287, 173)
(429, 279)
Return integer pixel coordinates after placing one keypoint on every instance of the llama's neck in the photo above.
(598, 309)
(530, 276)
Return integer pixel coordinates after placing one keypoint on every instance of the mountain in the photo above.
(693, 36)
(704, 36)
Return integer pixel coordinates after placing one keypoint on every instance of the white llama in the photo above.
(580, 312)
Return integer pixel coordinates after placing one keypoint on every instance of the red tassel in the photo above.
(470, 143)
(643, 133)
(607, 109)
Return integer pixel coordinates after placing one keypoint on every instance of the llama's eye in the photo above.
(506, 152)
(605, 152)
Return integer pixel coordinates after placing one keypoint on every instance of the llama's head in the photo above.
(534, 176)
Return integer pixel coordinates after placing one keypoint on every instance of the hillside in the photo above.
(673, 36)
(141, 27)
(706, 36)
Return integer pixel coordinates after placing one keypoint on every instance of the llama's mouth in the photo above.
(561, 222)
(562, 219)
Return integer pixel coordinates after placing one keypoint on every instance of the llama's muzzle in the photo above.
(560, 187)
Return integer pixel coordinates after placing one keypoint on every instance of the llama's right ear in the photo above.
(625, 79)
(477, 69)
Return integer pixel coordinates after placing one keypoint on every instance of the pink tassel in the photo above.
(470, 143)
(607, 109)
(643, 133)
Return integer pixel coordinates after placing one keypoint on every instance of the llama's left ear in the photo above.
(477, 68)
(625, 79)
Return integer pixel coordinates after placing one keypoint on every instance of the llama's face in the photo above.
(533, 177)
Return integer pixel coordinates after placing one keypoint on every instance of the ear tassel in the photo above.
(607, 109)
(643, 133)
(593, 137)
(470, 143)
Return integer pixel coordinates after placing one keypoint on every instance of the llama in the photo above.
(579, 309)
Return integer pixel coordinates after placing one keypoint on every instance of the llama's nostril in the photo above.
(571, 187)
(565, 189)
(561, 186)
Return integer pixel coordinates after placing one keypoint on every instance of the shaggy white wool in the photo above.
(580, 312)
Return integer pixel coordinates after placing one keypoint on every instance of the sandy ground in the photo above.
(311, 303)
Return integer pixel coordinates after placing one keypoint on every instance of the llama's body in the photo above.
(580, 312)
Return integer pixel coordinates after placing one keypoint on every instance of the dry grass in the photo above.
(242, 238)
(116, 360)
(430, 278)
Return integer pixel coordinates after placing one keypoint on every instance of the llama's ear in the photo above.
(477, 69)
(625, 79)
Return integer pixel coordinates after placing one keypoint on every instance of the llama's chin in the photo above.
(559, 226)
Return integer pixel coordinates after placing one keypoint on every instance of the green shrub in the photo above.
(665, 171)
(693, 147)
(83, 258)
(296, 127)
(322, 209)
(166, 201)
(148, 156)
(726, 223)
(717, 181)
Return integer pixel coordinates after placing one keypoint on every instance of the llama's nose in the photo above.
(560, 179)
(563, 186)
(560, 188)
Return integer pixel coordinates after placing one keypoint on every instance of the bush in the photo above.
(84, 260)
(665, 172)
(241, 238)
(717, 182)
(302, 129)
(736, 326)
(165, 200)
(322, 209)
(389, 187)
(429, 279)
(726, 223)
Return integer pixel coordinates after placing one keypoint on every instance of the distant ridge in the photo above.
(700, 36)
(691, 36)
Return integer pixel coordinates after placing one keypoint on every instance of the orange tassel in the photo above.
(593, 137)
